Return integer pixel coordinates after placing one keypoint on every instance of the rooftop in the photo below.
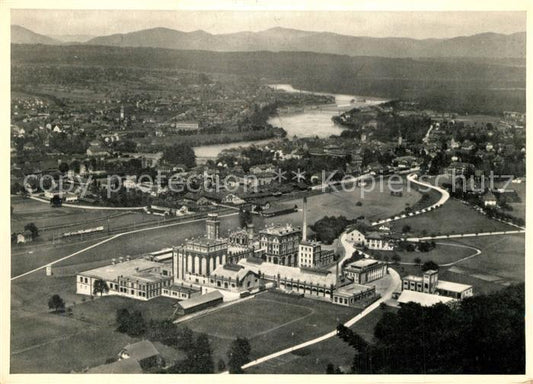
(197, 300)
(424, 299)
(285, 272)
(141, 350)
(352, 289)
(141, 269)
(120, 366)
(363, 263)
(413, 278)
(280, 230)
(205, 242)
(452, 287)
(233, 271)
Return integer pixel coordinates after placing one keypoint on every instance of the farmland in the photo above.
(452, 217)
(315, 358)
(271, 321)
(374, 204)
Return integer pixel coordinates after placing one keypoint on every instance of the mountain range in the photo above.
(490, 45)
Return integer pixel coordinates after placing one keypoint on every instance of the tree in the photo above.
(63, 167)
(245, 217)
(406, 228)
(132, 324)
(418, 261)
(221, 365)
(200, 358)
(33, 229)
(238, 354)
(180, 154)
(430, 265)
(100, 286)
(396, 258)
(56, 303)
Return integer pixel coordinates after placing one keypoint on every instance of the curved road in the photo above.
(477, 252)
(445, 196)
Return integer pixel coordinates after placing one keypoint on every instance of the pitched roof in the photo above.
(141, 350)
(452, 287)
(197, 300)
(424, 299)
(120, 366)
(234, 271)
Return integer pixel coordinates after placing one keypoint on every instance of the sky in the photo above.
(418, 25)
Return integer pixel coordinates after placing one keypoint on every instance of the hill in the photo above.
(463, 85)
(485, 45)
(283, 39)
(21, 35)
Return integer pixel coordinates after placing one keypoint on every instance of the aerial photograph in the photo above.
(267, 192)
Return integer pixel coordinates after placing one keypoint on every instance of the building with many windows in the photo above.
(365, 270)
(428, 289)
(139, 278)
(280, 244)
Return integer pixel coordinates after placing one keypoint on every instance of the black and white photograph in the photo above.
(265, 191)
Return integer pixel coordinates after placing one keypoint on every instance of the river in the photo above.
(310, 123)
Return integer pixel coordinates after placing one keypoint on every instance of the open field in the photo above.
(131, 244)
(502, 257)
(445, 252)
(271, 321)
(315, 358)
(501, 262)
(452, 217)
(55, 221)
(375, 205)
(46, 342)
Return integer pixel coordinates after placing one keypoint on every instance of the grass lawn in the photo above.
(315, 358)
(452, 217)
(102, 311)
(46, 342)
(501, 262)
(56, 221)
(27, 258)
(502, 256)
(290, 321)
(445, 252)
(375, 205)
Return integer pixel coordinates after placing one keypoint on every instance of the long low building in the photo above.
(424, 299)
(198, 303)
(139, 278)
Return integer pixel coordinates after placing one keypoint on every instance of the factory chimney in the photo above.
(337, 273)
(304, 225)
(250, 232)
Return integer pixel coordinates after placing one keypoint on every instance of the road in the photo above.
(396, 283)
(91, 207)
(445, 196)
(476, 253)
(110, 239)
(463, 235)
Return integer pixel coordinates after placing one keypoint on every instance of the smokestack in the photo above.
(304, 225)
(337, 273)
(250, 232)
